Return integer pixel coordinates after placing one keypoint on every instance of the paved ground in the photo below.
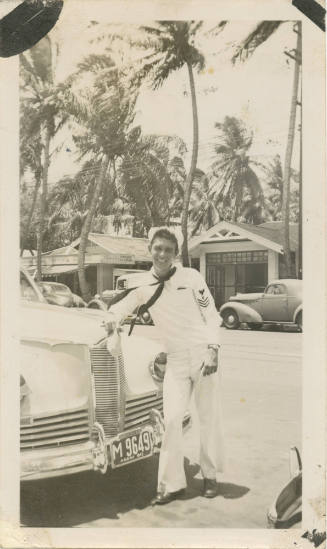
(262, 413)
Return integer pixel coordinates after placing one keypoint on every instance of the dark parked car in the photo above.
(280, 303)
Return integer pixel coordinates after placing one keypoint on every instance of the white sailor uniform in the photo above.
(187, 320)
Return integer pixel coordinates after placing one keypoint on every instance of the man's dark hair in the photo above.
(167, 235)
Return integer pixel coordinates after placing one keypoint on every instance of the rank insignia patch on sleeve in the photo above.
(203, 300)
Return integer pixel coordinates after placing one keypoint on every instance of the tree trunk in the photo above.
(288, 159)
(84, 287)
(29, 220)
(43, 202)
(190, 176)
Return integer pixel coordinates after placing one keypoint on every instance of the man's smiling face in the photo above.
(163, 253)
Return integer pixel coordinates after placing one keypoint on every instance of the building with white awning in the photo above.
(106, 258)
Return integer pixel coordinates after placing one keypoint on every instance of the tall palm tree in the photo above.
(173, 47)
(40, 97)
(258, 36)
(236, 180)
(30, 162)
(103, 107)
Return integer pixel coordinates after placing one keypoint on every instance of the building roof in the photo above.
(273, 230)
(123, 245)
(268, 234)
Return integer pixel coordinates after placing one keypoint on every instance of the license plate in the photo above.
(131, 447)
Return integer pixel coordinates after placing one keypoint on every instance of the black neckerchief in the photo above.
(145, 306)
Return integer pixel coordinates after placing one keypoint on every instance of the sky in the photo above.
(258, 90)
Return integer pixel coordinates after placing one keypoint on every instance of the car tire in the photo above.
(298, 321)
(230, 319)
(254, 325)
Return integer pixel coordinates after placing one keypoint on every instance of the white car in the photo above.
(82, 407)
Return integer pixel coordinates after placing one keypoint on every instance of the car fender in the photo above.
(297, 310)
(244, 312)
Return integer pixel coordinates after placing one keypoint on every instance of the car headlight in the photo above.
(158, 367)
(24, 389)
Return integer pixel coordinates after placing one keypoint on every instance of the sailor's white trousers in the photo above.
(184, 376)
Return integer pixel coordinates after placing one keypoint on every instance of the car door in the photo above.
(274, 303)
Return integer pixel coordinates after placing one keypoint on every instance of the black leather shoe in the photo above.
(210, 488)
(162, 499)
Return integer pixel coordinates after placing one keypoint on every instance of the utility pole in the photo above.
(296, 56)
(300, 270)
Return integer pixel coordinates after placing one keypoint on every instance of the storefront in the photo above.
(106, 258)
(239, 257)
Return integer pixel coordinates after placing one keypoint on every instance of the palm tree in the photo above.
(258, 36)
(69, 201)
(103, 107)
(203, 212)
(41, 100)
(147, 176)
(30, 162)
(238, 186)
(173, 47)
(274, 191)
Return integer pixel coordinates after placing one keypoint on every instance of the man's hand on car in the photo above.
(210, 363)
(110, 325)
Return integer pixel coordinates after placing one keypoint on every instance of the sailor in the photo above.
(183, 311)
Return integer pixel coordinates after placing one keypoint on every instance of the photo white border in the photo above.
(314, 272)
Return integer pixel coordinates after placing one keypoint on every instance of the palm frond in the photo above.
(258, 36)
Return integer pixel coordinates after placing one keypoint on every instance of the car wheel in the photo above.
(230, 319)
(254, 325)
(298, 321)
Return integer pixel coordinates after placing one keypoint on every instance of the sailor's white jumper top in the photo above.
(184, 314)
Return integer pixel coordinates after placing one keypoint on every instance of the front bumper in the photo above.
(91, 455)
(65, 460)
(39, 464)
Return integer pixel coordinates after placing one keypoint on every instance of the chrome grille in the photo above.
(53, 430)
(138, 408)
(108, 378)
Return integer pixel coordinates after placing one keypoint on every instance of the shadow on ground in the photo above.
(86, 497)
(195, 485)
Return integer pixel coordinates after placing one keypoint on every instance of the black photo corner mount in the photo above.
(314, 11)
(26, 24)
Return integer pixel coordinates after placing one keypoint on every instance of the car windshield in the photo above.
(57, 288)
(26, 289)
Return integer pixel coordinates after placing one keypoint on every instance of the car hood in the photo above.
(55, 356)
(43, 322)
(246, 297)
(138, 353)
(56, 376)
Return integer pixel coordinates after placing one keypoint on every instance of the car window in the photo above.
(275, 289)
(26, 289)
